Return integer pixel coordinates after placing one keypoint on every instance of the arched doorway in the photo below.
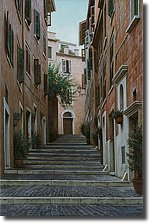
(68, 122)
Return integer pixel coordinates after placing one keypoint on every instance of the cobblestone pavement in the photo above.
(72, 211)
(61, 177)
(65, 191)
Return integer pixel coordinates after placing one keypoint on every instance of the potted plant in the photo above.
(16, 118)
(85, 130)
(135, 155)
(118, 116)
(21, 146)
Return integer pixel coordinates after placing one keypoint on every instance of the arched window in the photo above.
(121, 97)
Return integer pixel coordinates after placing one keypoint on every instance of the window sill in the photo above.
(19, 17)
(132, 24)
(104, 42)
(9, 62)
(44, 56)
(19, 86)
(104, 102)
(28, 26)
(36, 39)
(111, 89)
(28, 75)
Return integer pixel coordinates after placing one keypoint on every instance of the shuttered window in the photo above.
(20, 64)
(44, 43)
(45, 85)
(27, 60)
(28, 11)
(37, 24)
(66, 66)
(90, 59)
(49, 19)
(134, 8)
(19, 6)
(111, 59)
(37, 72)
(110, 7)
(83, 54)
(104, 81)
(50, 52)
(9, 38)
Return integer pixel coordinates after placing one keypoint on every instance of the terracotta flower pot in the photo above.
(19, 162)
(138, 185)
(119, 119)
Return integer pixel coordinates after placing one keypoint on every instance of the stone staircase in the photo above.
(66, 172)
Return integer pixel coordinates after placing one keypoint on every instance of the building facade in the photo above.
(112, 35)
(67, 56)
(23, 96)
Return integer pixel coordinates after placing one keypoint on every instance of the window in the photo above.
(104, 18)
(28, 11)
(83, 81)
(104, 81)
(134, 14)
(66, 66)
(50, 52)
(27, 60)
(110, 7)
(134, 8)
(111, 59)
(121, 97)
(20, 65)
(44, 43)
(19, 6)
(37, 72)
(9, 38)
(123, 154)
(45, 85)
(83, 54)
(37, 24)
(134, 95)
(90, 59)
(49, 19)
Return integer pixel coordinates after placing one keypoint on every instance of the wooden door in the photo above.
(67, 126)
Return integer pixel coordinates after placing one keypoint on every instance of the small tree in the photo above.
(62, 86)
(135, 142)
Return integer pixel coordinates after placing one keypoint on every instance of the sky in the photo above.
(65, 21)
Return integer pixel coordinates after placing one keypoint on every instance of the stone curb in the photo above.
(64, 183)
(81, 172)
(73, 200)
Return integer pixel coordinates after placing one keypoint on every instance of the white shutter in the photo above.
(63, 65)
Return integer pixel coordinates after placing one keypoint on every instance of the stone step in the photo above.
(73, 200)
(65, 183)
(63, 154)
(60, 158)
(62, 167)
(44, 171)
(63, 162)
(54, 150)
(67, 191)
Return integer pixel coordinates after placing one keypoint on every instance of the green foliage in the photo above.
(21, 145)
(85, 129)
(61, 86)
(135, 142)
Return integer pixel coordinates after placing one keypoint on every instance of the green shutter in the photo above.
(37, 72)
(37, 24)
(90, 59)
(6, 32)
(12, 46)
(28, 11)
(45, 85)
(110, 7)
(20, 61)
